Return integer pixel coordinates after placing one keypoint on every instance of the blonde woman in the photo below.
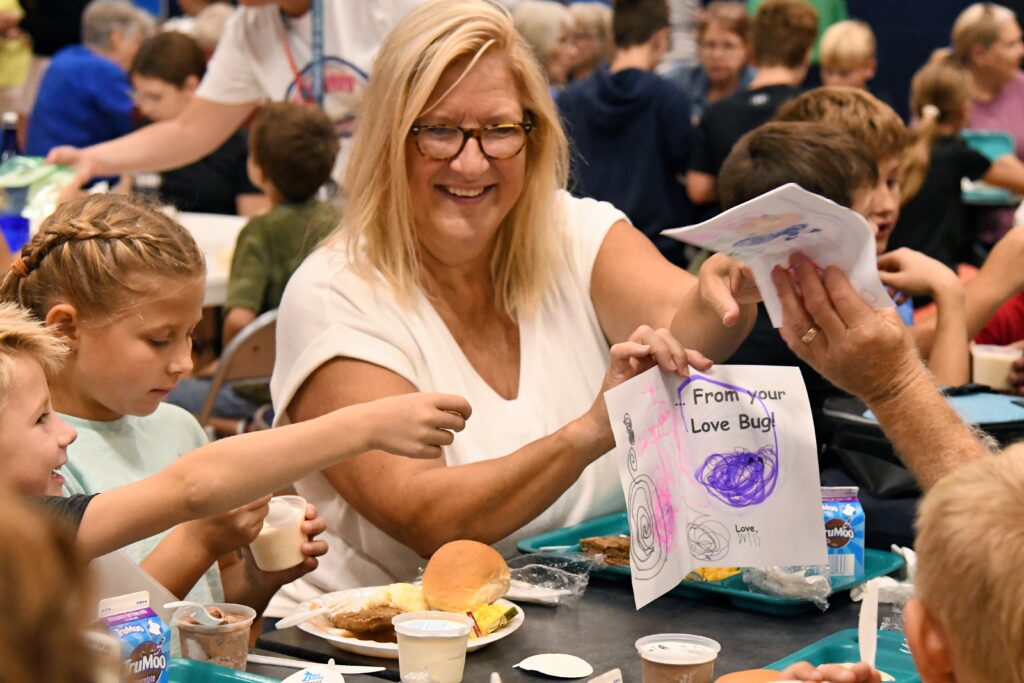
(462, 263)
(547, 26)
(592, 36)
(987, 41)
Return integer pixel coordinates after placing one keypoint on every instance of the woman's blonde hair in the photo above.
(970, 547)
(46, 597)
(939, 95)
(100, 253)
(378, 226)
(979, 24)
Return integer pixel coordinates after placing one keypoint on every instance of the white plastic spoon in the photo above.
(300, 617)
(199, 613)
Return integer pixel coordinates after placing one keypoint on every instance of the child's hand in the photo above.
(911, 272)
(312, 549)
(229, 531)
(416, 425)
(805, 671)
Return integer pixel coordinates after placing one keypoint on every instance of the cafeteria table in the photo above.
(602, 628)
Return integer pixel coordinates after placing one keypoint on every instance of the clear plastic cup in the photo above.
(433, 643)
(279, 545)
(990, 365)
(225, 644)
(677, 658)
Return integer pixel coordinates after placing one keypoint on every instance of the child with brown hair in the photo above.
(292, 148)
(932, 221)
(123, 286)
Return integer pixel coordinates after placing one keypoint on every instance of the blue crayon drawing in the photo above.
(741, 478)
(790, 233)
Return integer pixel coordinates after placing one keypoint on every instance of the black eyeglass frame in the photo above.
(474, 133)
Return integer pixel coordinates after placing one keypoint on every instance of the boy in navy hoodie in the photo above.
(630, 129)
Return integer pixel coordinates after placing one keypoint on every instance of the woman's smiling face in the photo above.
(459, 204)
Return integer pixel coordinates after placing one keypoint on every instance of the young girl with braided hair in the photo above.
(123, 285)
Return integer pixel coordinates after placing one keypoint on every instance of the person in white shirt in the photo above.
(462, 263)
(265, 54)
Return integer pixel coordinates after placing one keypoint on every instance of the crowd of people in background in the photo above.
(503, 172)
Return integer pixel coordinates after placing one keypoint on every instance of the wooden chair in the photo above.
(248, 359)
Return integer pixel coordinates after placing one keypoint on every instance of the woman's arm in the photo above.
(633, 285)
(1007, 172)
(234, 472)
(200, 129)
(425, 504)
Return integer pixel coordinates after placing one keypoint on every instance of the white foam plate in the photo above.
(354, 599)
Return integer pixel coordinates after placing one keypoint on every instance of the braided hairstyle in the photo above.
(100, 253)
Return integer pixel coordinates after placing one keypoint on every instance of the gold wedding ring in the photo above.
(810, 334)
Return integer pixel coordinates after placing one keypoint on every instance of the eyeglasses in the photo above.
(444, 143)
(720, 47)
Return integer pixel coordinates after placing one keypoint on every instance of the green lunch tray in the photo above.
(876, 563)
(892, 656)
(191, 671)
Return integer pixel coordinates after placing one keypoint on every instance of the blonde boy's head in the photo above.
(847, 54)
(970, 547)
(20, 333)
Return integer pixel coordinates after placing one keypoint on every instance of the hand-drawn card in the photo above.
(764, 231)
(719, 470)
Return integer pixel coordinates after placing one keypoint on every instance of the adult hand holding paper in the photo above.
(765, 231)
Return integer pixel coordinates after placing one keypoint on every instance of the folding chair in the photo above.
(248, 359)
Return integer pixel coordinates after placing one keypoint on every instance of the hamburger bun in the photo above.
(464, 574)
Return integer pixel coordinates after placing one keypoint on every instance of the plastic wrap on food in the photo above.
(551, 579)
(809, 583)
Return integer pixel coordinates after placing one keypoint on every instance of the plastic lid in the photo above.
(678, 648)
(432, 625)
(283, 510)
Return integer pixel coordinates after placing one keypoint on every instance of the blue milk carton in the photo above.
(844, 530)
(144, 637)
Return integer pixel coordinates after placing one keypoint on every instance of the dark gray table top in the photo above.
(603, 627)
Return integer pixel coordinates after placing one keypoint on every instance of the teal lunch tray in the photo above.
(191, 671)
(892, 656)
(876, 563)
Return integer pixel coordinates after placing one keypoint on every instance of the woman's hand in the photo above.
(805, 671)
(911, 272)
(85, 169)
(865, 352)
(415, 425)
(725, 285)
(644, 349)
(313, 526)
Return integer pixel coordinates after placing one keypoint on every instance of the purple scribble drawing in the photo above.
(741, 478)
(708, 539)
(648, 512)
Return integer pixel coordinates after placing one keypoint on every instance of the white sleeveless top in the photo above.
(328, 311)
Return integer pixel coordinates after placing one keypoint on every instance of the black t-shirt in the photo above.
(727, 120)
(211, 184)
(53, 24)
(933, 221)
(765, 346)
(70, 509)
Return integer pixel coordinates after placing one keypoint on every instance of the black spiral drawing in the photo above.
(708, 539)
(649, 540)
